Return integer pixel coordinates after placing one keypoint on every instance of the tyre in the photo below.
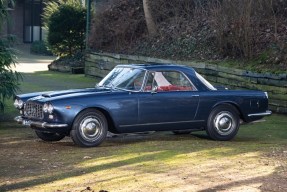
(46, 136)
(181, 132)
(89, 129)
(223, 123)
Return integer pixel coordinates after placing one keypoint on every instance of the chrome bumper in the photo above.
(38, 124)
(260, 114)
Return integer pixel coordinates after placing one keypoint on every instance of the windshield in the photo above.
(205, 82)
(124, 78)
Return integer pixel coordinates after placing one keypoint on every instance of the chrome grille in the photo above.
(33, 110)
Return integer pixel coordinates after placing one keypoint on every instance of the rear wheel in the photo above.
(223, 123)
(90, 128)
(47, 136)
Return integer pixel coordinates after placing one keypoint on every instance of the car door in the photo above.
(169, 101)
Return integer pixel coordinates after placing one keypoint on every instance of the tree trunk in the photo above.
(151, 27)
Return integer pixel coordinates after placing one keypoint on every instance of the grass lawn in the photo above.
(254, 161)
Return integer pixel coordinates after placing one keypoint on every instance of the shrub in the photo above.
(66, 30)
(76, 60)
(40, 48)
(195, 29)
(117, 25)
(8, 77)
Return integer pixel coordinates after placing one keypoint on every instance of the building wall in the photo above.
(14, 23)
(16, 26)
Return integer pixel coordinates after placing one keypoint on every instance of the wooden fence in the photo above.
(99, 64)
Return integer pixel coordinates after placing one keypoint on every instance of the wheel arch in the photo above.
(111, 124)
(232, 104)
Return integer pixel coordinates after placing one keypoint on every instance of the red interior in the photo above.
(170, 88)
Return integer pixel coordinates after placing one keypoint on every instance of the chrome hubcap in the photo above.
(224, 123)
(90, 128)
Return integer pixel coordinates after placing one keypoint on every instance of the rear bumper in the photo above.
(260, 114)
(39, 124)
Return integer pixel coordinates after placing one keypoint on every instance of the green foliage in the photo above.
(3, 13)
(8, 78)
(53, 5)
(65, 21)
(247, 32)
(40, 47)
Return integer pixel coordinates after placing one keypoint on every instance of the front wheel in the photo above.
(223, 123)
(47, 136)
(89, 129)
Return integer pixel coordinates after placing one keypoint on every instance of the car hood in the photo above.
(73, 92)
(52, 95)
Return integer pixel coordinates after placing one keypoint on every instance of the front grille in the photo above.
(33, 110)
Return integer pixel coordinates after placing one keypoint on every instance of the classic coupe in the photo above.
(139, 98)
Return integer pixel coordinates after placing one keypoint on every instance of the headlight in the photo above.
(18, 103)
(48, 108)
(45, 107)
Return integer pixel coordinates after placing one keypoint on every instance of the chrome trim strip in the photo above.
(20, 120)
(162, 123)
(260, 114)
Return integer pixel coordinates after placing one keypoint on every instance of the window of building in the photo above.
(32, 20)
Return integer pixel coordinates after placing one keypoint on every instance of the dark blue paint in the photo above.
(145, 111)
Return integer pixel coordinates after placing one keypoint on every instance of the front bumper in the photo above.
(39, 124)
(260, 114)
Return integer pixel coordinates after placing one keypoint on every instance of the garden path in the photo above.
(30, 63)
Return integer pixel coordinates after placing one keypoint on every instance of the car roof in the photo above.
(189, 71)
(159, 66)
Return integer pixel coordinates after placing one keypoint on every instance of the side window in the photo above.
(168, 81)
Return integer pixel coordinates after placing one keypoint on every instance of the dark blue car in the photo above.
(138, 98)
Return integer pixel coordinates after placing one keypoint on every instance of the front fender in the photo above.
(68, 112)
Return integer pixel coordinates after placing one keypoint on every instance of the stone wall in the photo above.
(99, 64)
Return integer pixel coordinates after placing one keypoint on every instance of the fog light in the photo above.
(51, 116)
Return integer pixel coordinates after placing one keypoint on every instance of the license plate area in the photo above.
(26, 122)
